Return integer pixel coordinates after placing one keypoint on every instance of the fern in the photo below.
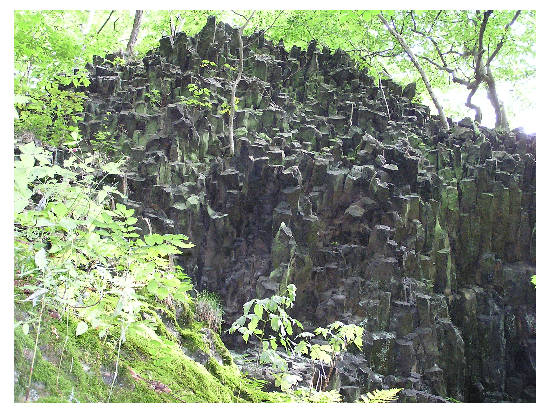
(381, 396)
(312, 396)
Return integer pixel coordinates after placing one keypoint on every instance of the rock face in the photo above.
(424, 237)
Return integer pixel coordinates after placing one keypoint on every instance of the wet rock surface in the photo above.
(426, 238)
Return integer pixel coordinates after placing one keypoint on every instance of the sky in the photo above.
(519, 102)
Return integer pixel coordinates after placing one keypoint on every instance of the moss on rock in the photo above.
(155, 366)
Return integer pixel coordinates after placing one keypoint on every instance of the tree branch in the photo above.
(469, 104)
(103, 25)
(480, 51)
(236, 83)
(252, 38)
(503, 38)
(411, 55)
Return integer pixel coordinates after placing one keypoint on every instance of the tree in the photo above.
(473, 50)
(411, 55)
(508, 45)
(134, 35)
(236, 83)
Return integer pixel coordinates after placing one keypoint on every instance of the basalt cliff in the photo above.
(346, 188)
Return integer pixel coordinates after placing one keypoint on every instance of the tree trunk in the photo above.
(501, 122)
(134, 35)
(414, 61)
(473, 89)
(235, 84)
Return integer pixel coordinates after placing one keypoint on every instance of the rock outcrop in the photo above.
(350, 191)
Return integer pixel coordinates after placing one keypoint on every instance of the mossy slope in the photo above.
(153, 367)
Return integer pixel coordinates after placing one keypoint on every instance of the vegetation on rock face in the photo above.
(209, 309)
(102, 312)
(483, 48)
(91, 293)
(270, 317)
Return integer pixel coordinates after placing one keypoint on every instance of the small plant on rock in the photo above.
(209, 309)
(339, 337)
(154, 97)
(271, 314)
(199, 97)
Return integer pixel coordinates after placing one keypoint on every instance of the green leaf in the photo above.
(258, 310)
(81, 328)
(275, 322)
(111, 168)
(381, 396)
(21, 99)
(239, 322)
(162, 292)
(301, 348)
(253, 323)
(26, 328)
(246, 306)
(153, 286)
(59, 209)
(68, 224)
(43, 222)
(153, 239)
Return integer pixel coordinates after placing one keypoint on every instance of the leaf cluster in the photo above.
(81, 256)
(271, 325)
(198, 97)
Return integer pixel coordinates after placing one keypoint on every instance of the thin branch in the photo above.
(239, 14)
(101, 28)
(414, 61)
(474, 87)
(253, 37)
(236, 83)
(503, 38)
(435, 20)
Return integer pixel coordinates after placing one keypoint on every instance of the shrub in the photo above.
(209, 309)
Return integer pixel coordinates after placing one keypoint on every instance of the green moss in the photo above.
(83, 368)
(55, 378)
(192, 339)
(163, 361)
(222, 350)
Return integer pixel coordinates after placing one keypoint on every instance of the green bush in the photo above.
(209, 309)
(79, 254)
(51, 109)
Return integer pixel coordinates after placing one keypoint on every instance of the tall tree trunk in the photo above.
(134, 35)
(501, 121)
(414, 61)
(235, 84)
